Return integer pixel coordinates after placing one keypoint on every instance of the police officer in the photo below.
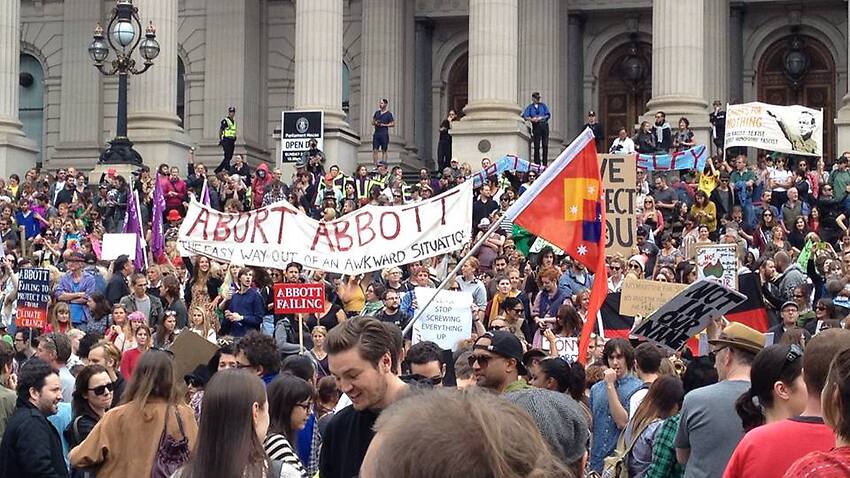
(227, 138)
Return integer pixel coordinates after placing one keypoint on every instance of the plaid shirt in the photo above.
(664, 464)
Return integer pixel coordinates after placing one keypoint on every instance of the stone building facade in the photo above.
(622, 58)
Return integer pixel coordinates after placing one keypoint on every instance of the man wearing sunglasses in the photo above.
(790, 314)
(496, 362)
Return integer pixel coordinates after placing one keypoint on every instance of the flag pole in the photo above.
(489, 232)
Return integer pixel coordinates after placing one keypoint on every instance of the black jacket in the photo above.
(31, 447)
(116, 288)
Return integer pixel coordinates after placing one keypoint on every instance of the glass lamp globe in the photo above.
(98, 50)
(123, 33)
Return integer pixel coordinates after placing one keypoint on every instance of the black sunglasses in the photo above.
(101, 389)
(482, 360)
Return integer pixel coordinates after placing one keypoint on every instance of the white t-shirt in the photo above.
(635, 401)
(780, 176)
(627, 146)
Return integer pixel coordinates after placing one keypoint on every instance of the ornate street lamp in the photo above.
(796, 62)
(123, 35)
(633, 67)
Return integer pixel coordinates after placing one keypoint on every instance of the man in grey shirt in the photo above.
(140, 300)
(710, 429)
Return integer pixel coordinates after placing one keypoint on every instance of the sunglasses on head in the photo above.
(102, 389)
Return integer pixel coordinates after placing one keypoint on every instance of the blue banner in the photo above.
(693, 158)
(505, 163)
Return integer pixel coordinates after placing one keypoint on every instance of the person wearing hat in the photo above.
(76, 288)
(537, 113)
(710, 429)
(598, 131)
(227, 138)
(496, 362)
(790, 313)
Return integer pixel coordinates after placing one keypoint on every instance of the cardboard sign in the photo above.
(619, 178)
(116, 244)
(718, 262)
(33, 297)
(786, 129)
(191, 350)
(688, 313)
(567, 347)
(368, 239)
(447, 320)
(299, 298)
(643, 297)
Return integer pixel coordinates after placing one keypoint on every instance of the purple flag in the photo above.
(205, 194)
(157, 230)
(133, 225)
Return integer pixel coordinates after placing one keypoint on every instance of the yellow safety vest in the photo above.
(230, 131)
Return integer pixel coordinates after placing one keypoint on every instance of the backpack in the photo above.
(616, 464)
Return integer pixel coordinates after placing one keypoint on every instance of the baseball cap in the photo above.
(231, 108)
(505, 344)
(591, 113)
(787, 303)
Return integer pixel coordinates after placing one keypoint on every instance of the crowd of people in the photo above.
(344, 393)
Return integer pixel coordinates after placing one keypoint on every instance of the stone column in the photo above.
(17, 152)
(539, 61)
(736, 55)
(575, 77)
(678, 64)
(842, 122)
(233, 76)
(382, 74)
(152, 122)
(492, 125)
(717, 50)
(424, 133)
(318, 74)
(80, 113)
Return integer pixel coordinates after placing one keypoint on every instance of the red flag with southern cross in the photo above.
(565, 207)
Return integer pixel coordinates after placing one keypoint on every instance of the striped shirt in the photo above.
(278, 449)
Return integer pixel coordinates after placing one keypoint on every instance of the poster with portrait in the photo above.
(786, 129)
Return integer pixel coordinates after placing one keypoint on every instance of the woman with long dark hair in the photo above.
(125, 441)
(777, 390)
(91, 398)
(234, 420)
(101, 314)
(662, 401)
(290, 402)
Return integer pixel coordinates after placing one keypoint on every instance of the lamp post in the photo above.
(123, 36)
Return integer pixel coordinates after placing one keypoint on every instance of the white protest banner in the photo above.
(368, 239)
(116, 244)
(786, 129)
(688, 313)
(718, 262)
(447, 320)
(643, 297)
(567, 347)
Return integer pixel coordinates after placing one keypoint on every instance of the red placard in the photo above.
(299, 298)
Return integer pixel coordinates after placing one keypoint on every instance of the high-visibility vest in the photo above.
(230, 130)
